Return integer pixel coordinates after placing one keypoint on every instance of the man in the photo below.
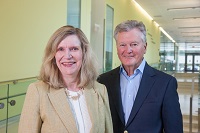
(142, 99)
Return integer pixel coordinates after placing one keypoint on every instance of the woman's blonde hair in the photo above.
(50, 73)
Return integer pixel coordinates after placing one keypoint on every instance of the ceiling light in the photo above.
(188, 27)
(191, 32)
(156, 23)
(192, 41)
(167, 34)
(157, 16)
(186, 18)
(148, 16)
(183, 8)
(191, 36)
(142, 10)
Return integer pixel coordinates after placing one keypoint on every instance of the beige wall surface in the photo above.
(25, 27)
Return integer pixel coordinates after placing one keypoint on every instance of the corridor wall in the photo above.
(25, 27)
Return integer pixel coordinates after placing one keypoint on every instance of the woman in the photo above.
(67, 98)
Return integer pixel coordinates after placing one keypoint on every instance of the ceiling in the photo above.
(179, 18)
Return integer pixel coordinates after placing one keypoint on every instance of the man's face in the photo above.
(130, 48)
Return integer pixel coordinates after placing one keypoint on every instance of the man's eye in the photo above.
(134, 44)
(122, 45)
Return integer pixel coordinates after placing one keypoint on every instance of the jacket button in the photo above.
(125, 131)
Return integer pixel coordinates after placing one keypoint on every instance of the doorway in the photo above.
(192, 62)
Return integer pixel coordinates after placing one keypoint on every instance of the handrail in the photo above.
(12, 96)
(14, 81)
(191, 100)
(192, 88)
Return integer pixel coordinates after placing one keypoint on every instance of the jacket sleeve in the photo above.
(30, 121)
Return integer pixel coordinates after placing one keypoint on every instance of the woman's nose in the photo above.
(68, 54)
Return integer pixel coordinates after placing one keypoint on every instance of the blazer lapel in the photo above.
(145, 86)
(60, 103)
(91, 100)
(115, 93)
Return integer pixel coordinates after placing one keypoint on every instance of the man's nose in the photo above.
(129, 49)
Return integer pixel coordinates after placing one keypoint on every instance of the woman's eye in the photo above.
(74, 48)
(60, 49)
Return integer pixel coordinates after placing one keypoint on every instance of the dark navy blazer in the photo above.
(156, 108)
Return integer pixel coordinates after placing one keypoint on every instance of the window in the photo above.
(73, 12)
(109, 38)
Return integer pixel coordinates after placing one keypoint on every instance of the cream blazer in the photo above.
(47, 110)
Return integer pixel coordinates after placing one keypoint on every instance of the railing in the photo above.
(12, 93)
(15, 81)
(191, 99)
(191, 105)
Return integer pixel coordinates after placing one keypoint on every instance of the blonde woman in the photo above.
(67, 98)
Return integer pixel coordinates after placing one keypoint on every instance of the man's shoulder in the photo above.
(111, 72)
(159, 73)
(107, 76)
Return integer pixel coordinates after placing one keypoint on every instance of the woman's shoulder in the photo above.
(98, 85)
(40, 86)
(39, 83)
(101, 88)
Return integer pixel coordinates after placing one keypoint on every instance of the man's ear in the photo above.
(145, 46)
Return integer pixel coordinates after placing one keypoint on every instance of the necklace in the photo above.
(74, 95)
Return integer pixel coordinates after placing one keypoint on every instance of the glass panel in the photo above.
(19, 88)
(73, 12)
(167, 56)
(14, 112)
(3, 91)
(168, 51)
(197, 63)
(189, 62)
(109, 38)
(13, 123)
(3, 115)
(15, 105)
(3, 126)
(3, 110)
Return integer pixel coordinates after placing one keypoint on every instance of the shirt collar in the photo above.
(140, 68)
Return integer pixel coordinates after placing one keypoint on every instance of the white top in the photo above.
(80, 110)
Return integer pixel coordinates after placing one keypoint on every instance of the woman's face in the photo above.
(69, 56)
